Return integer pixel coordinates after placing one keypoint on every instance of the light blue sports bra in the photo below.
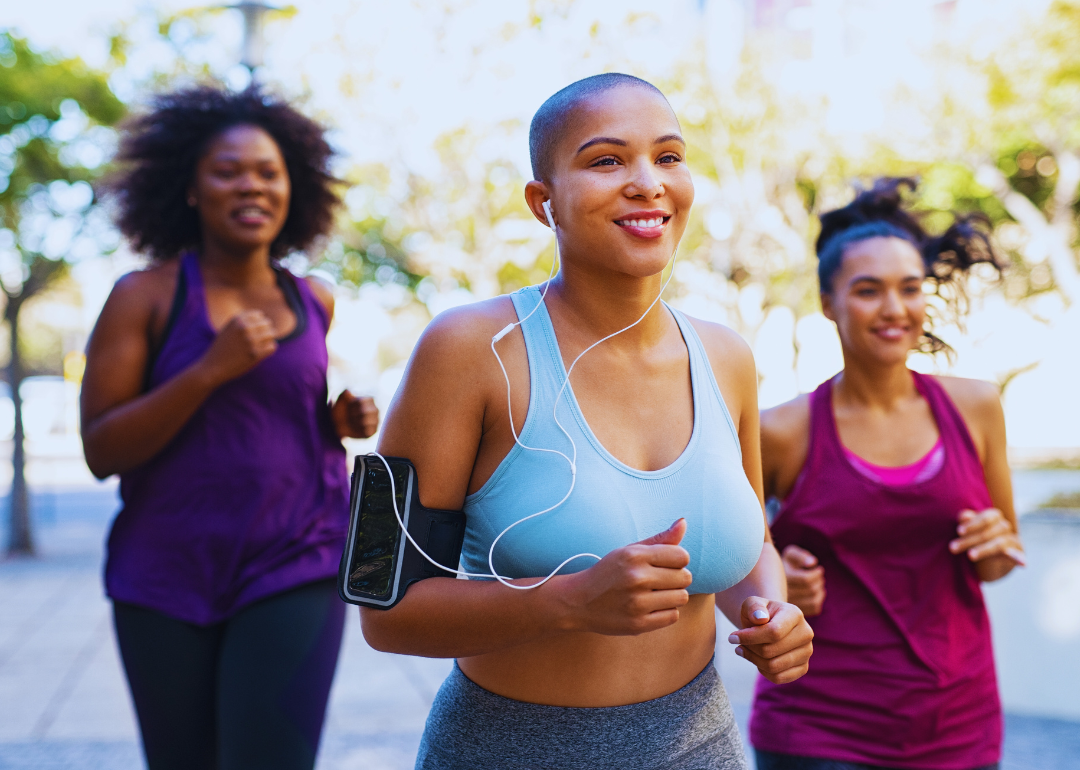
(613, 504)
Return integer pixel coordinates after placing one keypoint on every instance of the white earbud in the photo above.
(547, 210)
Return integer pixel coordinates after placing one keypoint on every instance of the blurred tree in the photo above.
(54, 139)
(1017, 127)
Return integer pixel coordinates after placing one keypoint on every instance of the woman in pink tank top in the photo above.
(896, 505)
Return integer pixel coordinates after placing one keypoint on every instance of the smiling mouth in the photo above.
(891, 332)
(643, 223)
(252, 214)
(644, 227)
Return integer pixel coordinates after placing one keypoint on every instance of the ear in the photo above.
(827, 307)
(535, 195)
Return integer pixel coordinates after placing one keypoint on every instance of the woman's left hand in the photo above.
(775, 637)
(355, 416)
(985, 534)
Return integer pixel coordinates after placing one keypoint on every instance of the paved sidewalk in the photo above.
(64, 703)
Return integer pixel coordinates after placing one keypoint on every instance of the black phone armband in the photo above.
(379, 563)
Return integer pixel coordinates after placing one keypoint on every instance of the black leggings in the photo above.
(767, 760)
(249, 692)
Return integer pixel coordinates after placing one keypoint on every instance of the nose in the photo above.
(644, 181)
(250, 182)
(893, 306)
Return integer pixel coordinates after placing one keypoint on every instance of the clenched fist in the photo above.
(243, 342)
(805, 580)
(355, 416)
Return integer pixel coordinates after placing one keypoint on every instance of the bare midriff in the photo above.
(588, 670)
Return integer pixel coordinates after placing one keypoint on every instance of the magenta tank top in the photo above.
(903, 671)
(251, 496)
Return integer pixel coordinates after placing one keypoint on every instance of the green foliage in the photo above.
(54, 139)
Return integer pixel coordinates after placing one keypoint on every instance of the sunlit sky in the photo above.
(422, 67)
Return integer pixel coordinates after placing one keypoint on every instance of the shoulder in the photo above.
(146, 290)
(979, 404)
(727, 350)
(785, 443)
(138, 305)
(153, 279)
(461, 330)
(323, 291)
(978, 398)
(787, 423)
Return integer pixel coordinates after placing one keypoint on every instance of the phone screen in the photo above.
(378, 534)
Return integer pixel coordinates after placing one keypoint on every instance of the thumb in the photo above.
(799, 557)
(756, 610)
(673, 535)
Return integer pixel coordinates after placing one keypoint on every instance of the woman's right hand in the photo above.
(243, 342)
(634, 589)
(805, 580)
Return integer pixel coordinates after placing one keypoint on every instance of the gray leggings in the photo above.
(470, 728)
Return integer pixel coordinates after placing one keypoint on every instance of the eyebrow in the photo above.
(874, 279)
(622, 142)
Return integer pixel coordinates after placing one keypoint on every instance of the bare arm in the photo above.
(122, 427)
(773, 634)
(451, 396)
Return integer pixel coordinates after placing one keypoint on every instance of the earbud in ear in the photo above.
(550, 218)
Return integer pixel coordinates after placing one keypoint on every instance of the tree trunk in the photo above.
(21, 538)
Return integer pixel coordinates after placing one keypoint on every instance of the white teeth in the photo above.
(642, 222)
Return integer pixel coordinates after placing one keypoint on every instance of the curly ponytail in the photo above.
(880, 213)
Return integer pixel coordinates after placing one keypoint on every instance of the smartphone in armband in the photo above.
(379, 563)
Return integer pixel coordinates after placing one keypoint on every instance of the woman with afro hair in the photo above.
(205, 390)
(896, 506)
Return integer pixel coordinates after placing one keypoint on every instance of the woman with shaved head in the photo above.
(612, 499)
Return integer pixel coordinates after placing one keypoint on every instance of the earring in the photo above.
(191, 201)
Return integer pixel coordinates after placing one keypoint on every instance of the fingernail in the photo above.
(953, 546)
(739, 652)
(761, 615)
(734, 638)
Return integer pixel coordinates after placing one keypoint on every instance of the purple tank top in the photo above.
(903, 671)
(251, 496)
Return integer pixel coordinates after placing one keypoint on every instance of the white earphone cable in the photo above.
(572, 461)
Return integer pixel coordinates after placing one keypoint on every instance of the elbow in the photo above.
(379, 630)
(98, 464)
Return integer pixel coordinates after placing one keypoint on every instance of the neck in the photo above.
(875, 385)
(233, 267)
(601, 303)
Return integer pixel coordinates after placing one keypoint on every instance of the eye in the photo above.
(607, 160)
(669, 158)
(865, 291)
(269, 174)
(912, 290)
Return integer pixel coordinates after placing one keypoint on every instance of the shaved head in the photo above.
(550, 120)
